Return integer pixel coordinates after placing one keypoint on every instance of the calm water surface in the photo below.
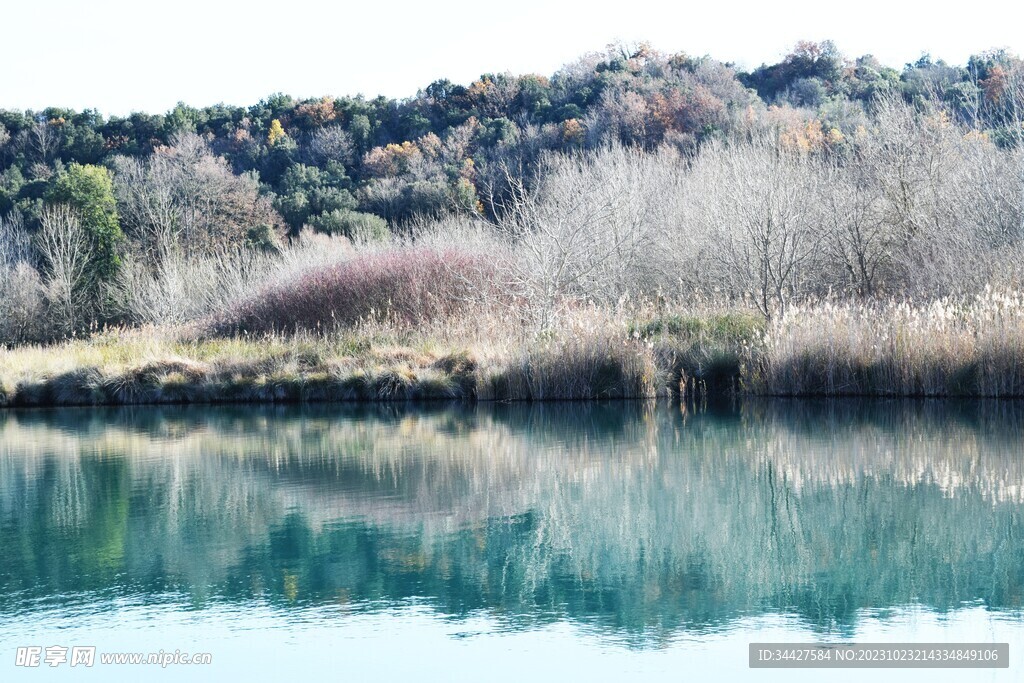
(557, 542)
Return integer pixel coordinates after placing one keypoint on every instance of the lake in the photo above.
(605, 542)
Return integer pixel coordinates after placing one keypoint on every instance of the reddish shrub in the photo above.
(411, 284)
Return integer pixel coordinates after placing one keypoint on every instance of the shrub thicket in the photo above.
(411, 285)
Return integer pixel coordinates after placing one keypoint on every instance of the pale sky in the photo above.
(120, 56)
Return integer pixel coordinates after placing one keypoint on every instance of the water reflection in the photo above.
(638, 520)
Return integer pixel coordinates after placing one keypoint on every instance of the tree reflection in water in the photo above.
(638, 519)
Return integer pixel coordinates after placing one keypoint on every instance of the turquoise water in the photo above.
(554, 542)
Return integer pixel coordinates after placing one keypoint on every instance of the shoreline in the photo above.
(973, 350)
(393, 375)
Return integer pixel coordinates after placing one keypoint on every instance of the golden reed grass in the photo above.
(947, 347)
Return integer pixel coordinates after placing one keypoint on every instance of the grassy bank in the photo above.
(593, 355)
(369, 363)
(236, 370)
(968, 348)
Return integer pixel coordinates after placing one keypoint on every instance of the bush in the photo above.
(731, 327)
(357, 226)
(409, 284)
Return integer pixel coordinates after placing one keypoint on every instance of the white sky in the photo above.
(140, 55)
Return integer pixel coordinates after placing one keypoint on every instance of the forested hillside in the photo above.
(328, 162)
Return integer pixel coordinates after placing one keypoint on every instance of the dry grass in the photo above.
(466, 359)
(970, 347)
(592, 357)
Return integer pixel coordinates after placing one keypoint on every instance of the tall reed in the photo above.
(947, 347)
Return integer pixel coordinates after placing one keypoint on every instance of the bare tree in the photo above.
(588, 227)
(43, 141)
(185, 196)
(15, 242)
(857, 237)
(147, 203)
(21, 292)
(760, 211)
(65, 246)
(331, 143)
(1014, 99)
(914, 157)
(553, 236)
